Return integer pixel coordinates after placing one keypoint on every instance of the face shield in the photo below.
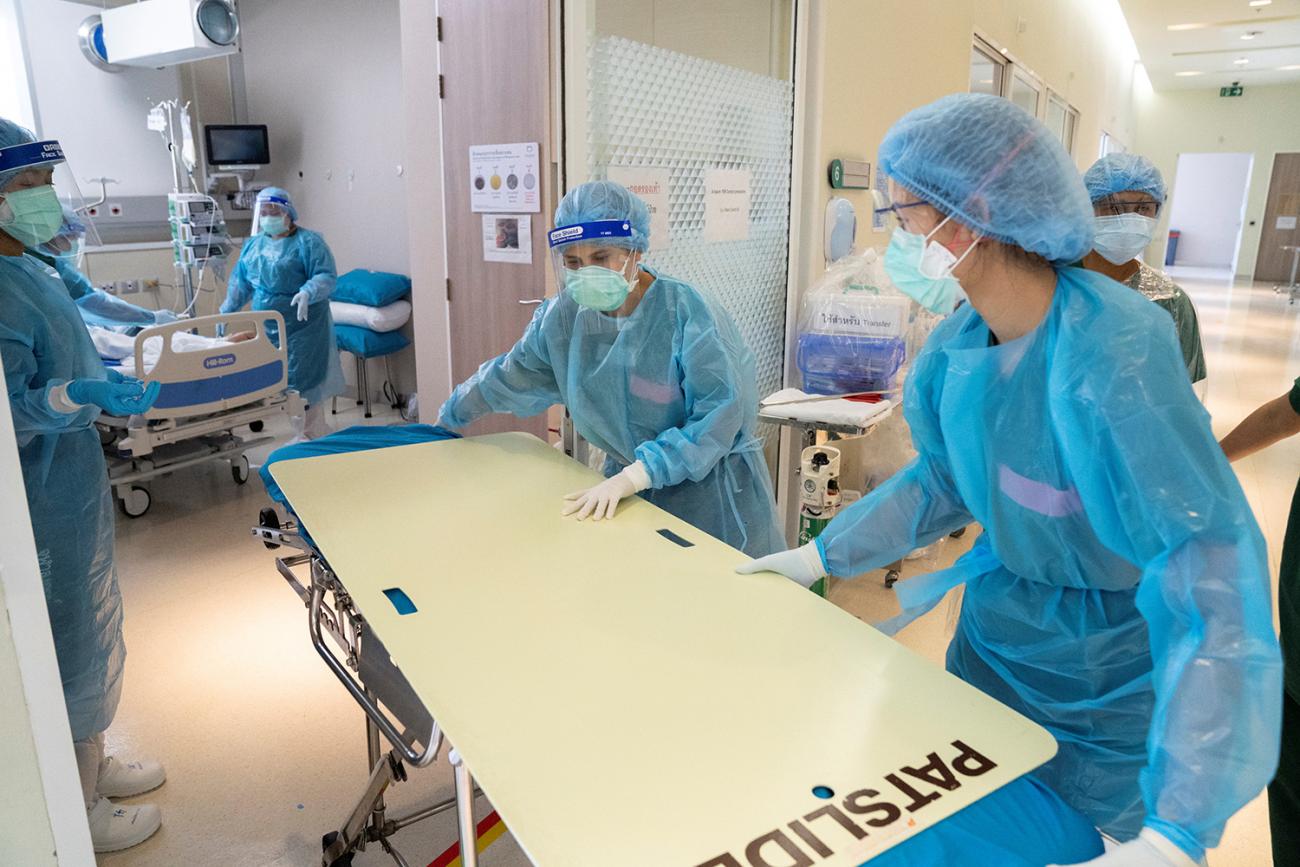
(69, 243)
(593, 262)
(272, 216)
(38, 193)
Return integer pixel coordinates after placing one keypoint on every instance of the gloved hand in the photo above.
(115, 375)
(221, 329)
(1150, 849)
(302, 301)
(802, 565)
(602, 500)
(164, 317)
(125, 397)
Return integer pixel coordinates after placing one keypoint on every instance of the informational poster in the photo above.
(726, 204)
(508, 238)
(651, 185)
(504, 177)
(1286, 222)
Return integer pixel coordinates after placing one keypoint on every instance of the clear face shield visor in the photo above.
(271, 216)
(41, 204)
(604, 244)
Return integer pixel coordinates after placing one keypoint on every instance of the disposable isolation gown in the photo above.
(1119, 594)
(671, 385)
(44, 343)
(271, 271)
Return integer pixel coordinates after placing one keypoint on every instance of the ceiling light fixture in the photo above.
(1258, 3)
(1188, 73)
(1241, 61)
(1290, 68)
(1251, 34)
(1176, 27)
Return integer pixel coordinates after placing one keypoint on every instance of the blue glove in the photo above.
(115, 375)
(127, 397)
(164, 317)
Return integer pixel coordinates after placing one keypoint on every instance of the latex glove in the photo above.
(164, 317)
(127, 397)
(1150, 849)
(115, 375)
(801, 565)
(221, 329)
(302, 301)
(602, 500)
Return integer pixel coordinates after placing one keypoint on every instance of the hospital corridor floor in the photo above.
(265, 751)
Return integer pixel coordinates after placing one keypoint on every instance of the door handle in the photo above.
(531, 301)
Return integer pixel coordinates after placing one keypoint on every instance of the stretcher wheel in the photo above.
(256, 426)
(136, 502)
(239, 469)
(269, 519)
(343, 860)
(891, 578)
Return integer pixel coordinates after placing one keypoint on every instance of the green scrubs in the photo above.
(1284, 792)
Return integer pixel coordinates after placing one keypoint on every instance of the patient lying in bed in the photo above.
(118, 349)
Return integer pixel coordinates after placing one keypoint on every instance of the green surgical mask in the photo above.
(274, 225)
(598, 288)
(31, 216)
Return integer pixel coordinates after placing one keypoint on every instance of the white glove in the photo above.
(802, 565)
(302, 301)
(164, 317)
(1150, 849)
(602, 500)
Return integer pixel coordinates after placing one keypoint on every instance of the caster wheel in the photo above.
(957, 534)
(239, 469)
(270, 519)
(326, 842)
(136, 502)
(256, 426)
(891, 578)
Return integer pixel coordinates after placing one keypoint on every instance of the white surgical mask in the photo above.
(922, 269)
(1119, 238)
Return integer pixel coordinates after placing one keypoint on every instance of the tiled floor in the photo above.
(265, 751)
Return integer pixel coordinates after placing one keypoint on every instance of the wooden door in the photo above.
(495, 85)
(1281, 221)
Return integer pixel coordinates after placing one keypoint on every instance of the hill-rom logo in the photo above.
(214, 361)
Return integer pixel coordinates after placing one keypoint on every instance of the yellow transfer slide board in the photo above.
(620, 694)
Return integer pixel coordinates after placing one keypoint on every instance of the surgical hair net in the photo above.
(278, 196)
(606, 200)
(1119, 173)
(989, 164)
(12, 134)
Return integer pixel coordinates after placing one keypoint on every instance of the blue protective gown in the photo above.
(97, 306)
(1119, 594)
(271, 271)
(671, 385)
(44, 343)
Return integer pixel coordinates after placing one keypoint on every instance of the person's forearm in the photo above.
(1273, 421)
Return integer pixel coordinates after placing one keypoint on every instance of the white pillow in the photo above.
(388, 318)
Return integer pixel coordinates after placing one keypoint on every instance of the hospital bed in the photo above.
(217, 395)
(623, 697)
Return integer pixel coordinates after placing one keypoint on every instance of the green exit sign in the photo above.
(1235, 90)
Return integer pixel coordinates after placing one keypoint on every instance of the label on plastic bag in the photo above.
(847, 315)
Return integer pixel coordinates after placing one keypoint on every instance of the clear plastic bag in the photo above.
(856, 331)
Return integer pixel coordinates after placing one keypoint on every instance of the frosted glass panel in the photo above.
(650, 108)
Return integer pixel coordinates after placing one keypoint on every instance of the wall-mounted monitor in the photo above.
(236, 145)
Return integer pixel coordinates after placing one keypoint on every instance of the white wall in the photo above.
(1209, 191)
(1262, 122)
(326, 78)
(99, 117)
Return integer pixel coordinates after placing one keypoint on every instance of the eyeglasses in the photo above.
(1111, 208)
(892, 215)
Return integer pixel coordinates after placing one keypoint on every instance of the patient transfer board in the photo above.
(620, 694)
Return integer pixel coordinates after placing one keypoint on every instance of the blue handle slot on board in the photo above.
(675, 539)
(400, 600)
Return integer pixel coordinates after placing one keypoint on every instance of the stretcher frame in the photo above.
(331, 613)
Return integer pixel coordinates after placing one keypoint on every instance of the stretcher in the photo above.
(621, 695)
(216, 398)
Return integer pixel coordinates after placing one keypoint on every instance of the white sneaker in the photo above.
(118, 779)
(113, 827)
